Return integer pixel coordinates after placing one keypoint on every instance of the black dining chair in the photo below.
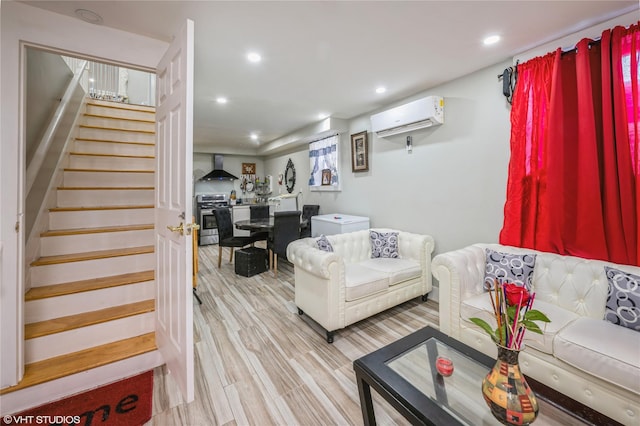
(225, 233)
(259, 212)
(286, 228)
(308, 210)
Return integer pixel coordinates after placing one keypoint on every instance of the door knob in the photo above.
(184, 228)
(191, 226)
(179, 228)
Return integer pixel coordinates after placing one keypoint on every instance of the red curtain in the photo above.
(574, 173)
(527, 181)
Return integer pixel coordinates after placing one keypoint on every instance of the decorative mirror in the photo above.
(290, 176)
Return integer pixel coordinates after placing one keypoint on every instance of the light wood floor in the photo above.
(258, 363)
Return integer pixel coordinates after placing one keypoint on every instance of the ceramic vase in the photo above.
(506, 391)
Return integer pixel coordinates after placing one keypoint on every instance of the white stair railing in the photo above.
(113, 83)
(104, 82)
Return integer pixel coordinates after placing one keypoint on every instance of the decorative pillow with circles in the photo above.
(623, 298)
(508, 267)
(324, 244)
(384, 244)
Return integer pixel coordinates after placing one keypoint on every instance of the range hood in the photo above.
(218, 173)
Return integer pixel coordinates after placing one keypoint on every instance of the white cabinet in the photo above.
(329, 224)
(240, 213)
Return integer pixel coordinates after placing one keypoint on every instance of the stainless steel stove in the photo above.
(205, 203)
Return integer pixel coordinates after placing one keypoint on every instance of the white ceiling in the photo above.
(329, 56)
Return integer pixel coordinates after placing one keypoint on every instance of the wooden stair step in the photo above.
(55, 290)
(92, 154)
(80, 208)
(120, 105)
(111, 117)
(112, 141)
(78, 231)
(92, 255)
(108, 171)
(103, 188)
(117, 129)
(76, 362)
(72, 322)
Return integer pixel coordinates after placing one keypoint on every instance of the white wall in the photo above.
(141, 87)
(48, 76)
(452, 186)
(277, 165)
(22, 23)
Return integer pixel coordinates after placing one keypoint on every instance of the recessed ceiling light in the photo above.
(491, 40)
(221, 100)
(254, 136)
(254, 57)
(92, 80)
(89, 16)
(381, 89)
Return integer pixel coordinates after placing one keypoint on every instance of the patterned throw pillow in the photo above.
(623, 298)
(384, 244)
(508, 267)
(324, 244)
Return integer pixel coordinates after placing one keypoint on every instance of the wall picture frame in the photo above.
(248, 169)
(326, 176)
(359, 152)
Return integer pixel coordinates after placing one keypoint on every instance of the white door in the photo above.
(174, 251)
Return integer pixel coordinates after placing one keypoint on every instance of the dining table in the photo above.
(263, 224)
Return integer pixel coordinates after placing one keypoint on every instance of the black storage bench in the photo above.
(251, 261)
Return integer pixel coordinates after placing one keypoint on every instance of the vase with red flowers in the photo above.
(505, 388)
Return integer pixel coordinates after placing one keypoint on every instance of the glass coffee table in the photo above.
(404, 374)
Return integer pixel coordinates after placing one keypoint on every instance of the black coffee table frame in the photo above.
(372, 371)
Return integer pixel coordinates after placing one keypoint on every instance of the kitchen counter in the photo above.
(249, 204)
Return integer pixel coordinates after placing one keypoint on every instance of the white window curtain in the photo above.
(323, 158)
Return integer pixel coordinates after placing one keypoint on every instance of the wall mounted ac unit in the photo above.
(421, 113)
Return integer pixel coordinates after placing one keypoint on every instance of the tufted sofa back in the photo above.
(356, 246)
(576, 284)
(352, 246)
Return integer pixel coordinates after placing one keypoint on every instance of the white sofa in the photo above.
(592, 361)
(339, 288)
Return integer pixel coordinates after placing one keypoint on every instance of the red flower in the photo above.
(515, 294)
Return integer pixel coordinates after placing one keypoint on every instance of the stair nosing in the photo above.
(91, 208)
(102, 188)
(108, 170)
(65, 365)
(86, 319)
(112, 141)
(120, 105)
(117, 129)
(92, 255)
(110, 117)
(96, 230)
(82, 286)
(92, 154)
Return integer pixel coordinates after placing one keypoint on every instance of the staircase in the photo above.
(91, 302)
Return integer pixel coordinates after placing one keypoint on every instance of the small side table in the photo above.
(250, 261)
